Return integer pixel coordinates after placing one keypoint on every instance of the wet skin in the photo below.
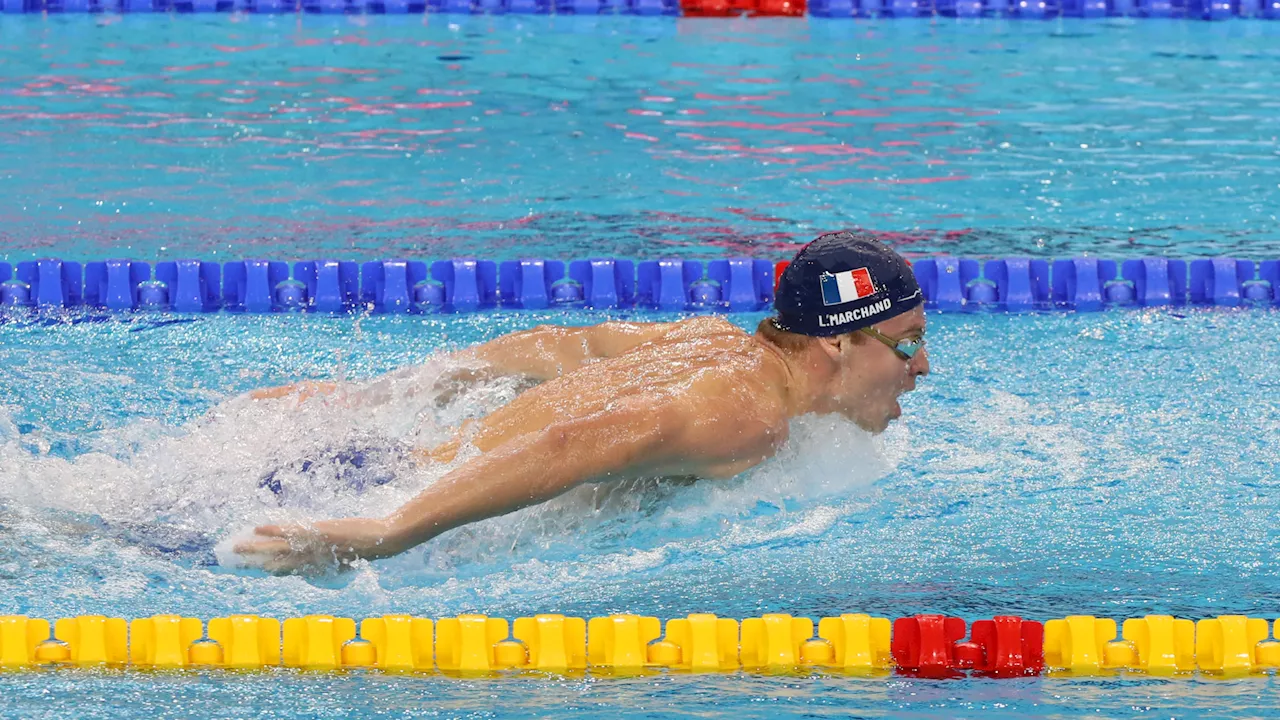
(696, 398)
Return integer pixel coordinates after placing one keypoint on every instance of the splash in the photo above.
(273, 461)
(201, 486)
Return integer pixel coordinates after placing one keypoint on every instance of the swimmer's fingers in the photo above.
(306, 564)
(287, 565)
(263, 547)
(282, 540)
(318, 547)
(296, 534)
(280, 557)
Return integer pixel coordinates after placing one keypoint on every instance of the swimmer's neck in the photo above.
(806, 377)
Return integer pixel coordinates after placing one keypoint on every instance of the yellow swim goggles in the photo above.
(905, 348)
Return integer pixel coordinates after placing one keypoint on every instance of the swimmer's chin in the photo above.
(875, 426)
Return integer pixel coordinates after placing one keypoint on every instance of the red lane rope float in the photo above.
(753, 8)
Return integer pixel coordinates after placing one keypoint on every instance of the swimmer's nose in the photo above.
(918, 366)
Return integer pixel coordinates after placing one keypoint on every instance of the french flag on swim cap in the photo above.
(841, 282)
(847, 286)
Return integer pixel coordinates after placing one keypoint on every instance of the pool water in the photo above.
(166, 137)
(1041, 470)
(1115, 464)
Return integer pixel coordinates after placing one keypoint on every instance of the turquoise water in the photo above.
(1114, 464)
(1117, 464)
(164, 137)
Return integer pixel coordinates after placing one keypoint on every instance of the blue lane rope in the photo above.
(742, 284)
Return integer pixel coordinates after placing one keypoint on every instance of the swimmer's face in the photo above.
(871, 376)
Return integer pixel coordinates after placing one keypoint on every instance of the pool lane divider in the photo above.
(740, 284)
(924, 645)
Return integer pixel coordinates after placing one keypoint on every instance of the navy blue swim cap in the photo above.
(841, 282)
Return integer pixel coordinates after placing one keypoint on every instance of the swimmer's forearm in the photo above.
(523, 472)
(517, 475)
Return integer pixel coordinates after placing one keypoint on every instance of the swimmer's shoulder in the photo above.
(703, 326)
(738, 421)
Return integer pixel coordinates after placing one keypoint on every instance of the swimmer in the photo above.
(622, 400)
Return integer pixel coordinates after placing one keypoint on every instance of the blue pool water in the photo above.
(177, 136)
(1041, 470)
(1116, 464)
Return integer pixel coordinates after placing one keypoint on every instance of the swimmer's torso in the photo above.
(699, 360)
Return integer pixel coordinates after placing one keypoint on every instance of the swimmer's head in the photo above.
(851, 307)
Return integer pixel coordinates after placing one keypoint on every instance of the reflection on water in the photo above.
(165, 137)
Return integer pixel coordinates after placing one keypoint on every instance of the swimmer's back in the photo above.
(699, 357)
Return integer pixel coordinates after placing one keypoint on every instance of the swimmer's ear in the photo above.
(831, 346)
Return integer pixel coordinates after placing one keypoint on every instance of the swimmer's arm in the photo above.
(548, 351)
(686, 433)
(525, 471)
(539, 466)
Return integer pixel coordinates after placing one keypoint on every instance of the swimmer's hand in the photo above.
(318, 547)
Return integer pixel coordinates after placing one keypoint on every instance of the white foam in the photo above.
(1023, 440)
(207, 471)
